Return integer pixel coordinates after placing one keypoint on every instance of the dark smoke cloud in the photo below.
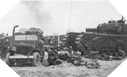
(38, 11)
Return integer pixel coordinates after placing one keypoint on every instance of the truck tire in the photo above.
(7, 59)
(36, 59)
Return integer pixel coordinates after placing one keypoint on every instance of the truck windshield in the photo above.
(26, 37)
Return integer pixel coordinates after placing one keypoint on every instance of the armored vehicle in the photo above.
(104, 40)
(26, 48)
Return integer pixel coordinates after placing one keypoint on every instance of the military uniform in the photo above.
(52, 57)
(45, 59)
(4, 47)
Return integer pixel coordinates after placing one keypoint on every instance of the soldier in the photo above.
(45, 59)
(52, 56)
(4, 47)
(122, 20)
(63, 55)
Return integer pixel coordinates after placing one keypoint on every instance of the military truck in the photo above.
(26, 48)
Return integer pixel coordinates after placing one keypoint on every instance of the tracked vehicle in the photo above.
(103, 40)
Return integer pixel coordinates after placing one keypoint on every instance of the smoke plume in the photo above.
(38, 12)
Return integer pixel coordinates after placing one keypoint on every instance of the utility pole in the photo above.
(69, 16)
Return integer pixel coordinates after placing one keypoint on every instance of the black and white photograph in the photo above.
(63, 38)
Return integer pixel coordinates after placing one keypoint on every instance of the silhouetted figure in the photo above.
(50, 57)
(45, 59)
(122, 20)
(4, 47)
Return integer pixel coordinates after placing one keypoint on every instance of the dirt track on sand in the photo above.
(68, 70)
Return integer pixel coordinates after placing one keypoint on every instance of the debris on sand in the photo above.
(68, 70)
(65, 64)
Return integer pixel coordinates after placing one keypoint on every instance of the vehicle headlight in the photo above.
(13, 49)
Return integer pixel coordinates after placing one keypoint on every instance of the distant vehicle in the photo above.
(26, 48)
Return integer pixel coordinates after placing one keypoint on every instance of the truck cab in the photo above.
(26, 48)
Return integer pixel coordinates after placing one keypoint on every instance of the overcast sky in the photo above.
(53, 16)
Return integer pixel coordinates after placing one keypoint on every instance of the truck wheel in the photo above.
(37, 59)
(8, 61)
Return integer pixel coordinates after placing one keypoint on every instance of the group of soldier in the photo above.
(58, 56)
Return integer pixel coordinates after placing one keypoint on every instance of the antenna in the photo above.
(69, 16)
(98, 14)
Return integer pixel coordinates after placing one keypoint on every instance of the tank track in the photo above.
(65, 38)
(79, 42)
(83, 45)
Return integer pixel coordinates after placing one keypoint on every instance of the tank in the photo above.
(105, 39)
(112, 27)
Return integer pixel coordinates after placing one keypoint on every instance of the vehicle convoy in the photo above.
(26, 47)
(105, 40)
